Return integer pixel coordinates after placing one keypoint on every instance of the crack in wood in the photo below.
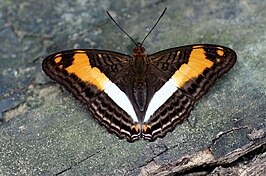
(77, 163)
(222, 133)
(187, 164)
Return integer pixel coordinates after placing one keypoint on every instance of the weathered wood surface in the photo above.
(44, 131)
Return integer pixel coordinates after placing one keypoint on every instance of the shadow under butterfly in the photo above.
(140, 96)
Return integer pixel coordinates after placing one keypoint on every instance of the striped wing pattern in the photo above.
(193, 69)
(176, 78)
(81, 72)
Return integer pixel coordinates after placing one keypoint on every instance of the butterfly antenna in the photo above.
(154, 25)
(121, 28)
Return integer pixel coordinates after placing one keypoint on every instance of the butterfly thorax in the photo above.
(139, 67)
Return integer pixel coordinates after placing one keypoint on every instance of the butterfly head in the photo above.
(139, 49)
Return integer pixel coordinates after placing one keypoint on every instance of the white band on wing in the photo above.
(160, 97)
(120, 98)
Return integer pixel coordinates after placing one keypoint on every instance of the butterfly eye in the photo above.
(135, 50)
(142, 49)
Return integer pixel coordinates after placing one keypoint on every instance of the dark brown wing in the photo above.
(93, 77)
(192, 70)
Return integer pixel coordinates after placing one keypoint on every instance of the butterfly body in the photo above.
(140, 96)
(139, 67)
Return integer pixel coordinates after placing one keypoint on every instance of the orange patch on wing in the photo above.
(220, 52)
(197, 63)
(145, 127)
(58, 58)
(82, 69)
(137, 128)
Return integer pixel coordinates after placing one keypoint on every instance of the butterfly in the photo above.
(140, 96)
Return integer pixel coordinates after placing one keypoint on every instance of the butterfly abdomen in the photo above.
(140, 94)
